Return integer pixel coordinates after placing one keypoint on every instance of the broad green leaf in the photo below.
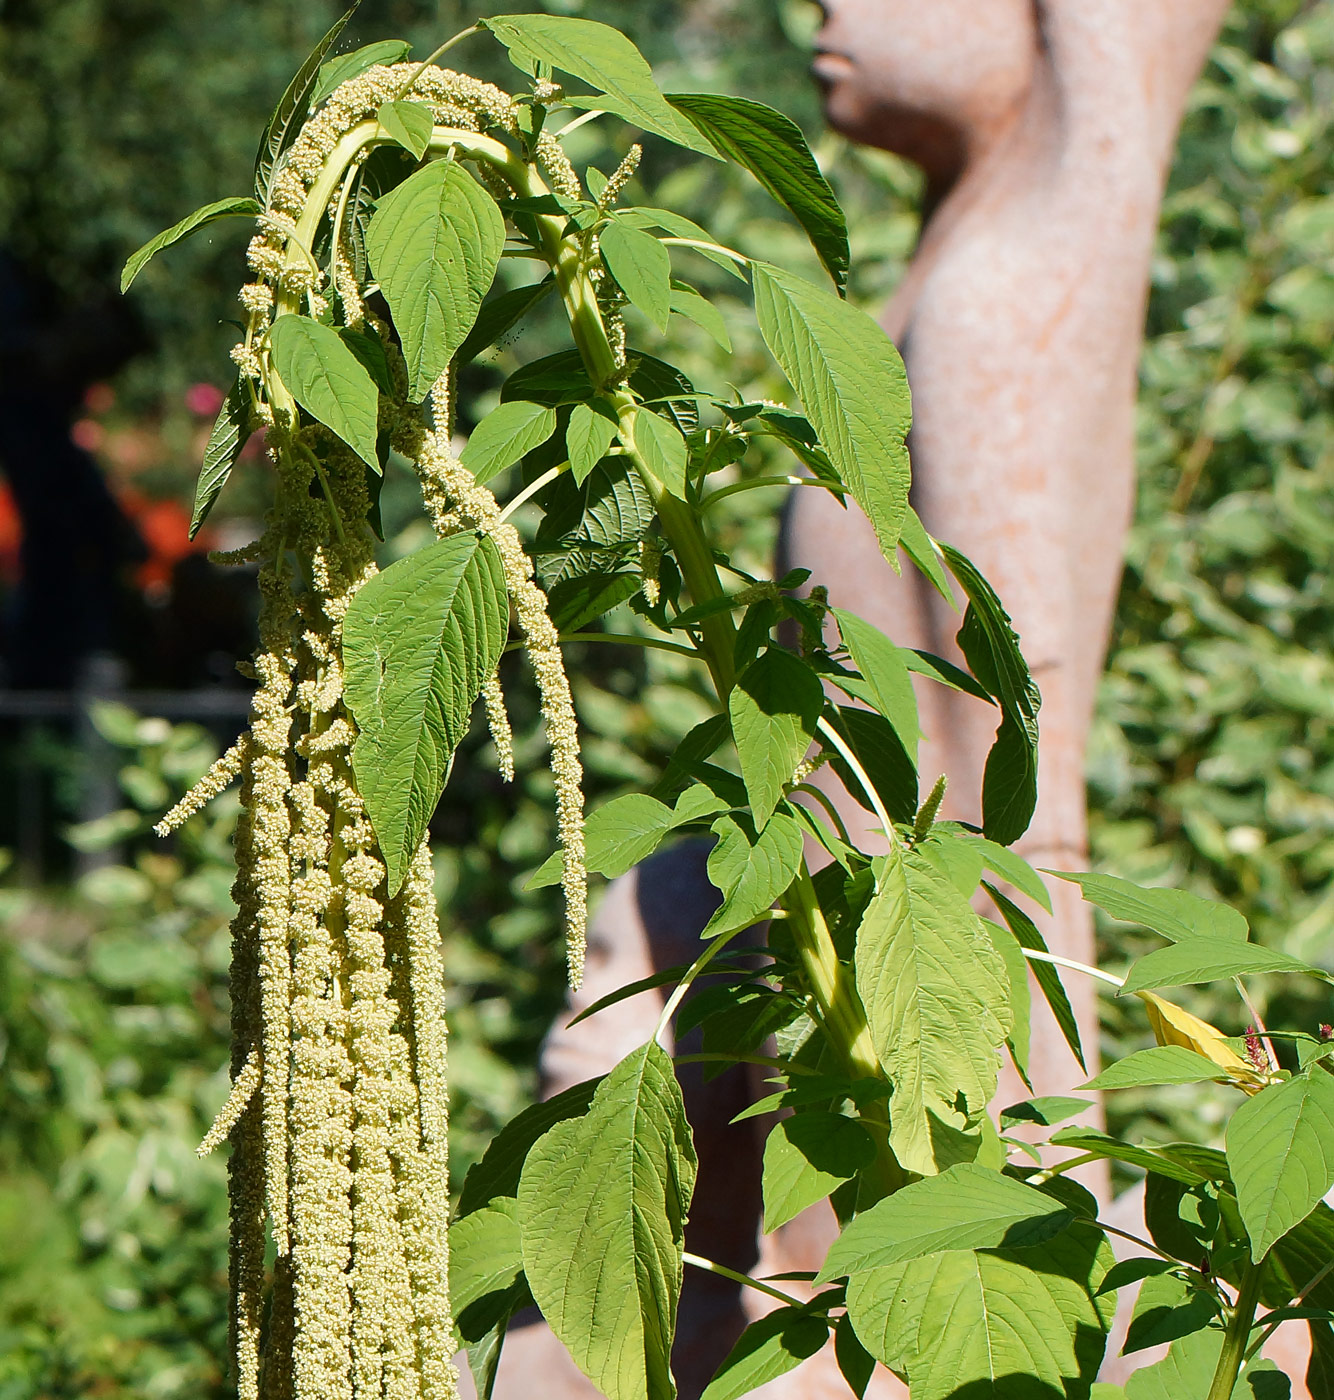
(224, 446)
(1127, 1271)
(1016, 972)
(642, 268)
(703, 313)
(617, 836)
(805, 1157)
(1203, 960)
(852, 386)
(966, 1207)
(1081, 1139)
(500, 314)
(774, 708)
(603, 58)
(1187, 1372)
(602, 1207)
(419, 642)
(496, 1175)
(1280, 1151)
(990, 1325)
(885, 672)
(1163, 1064)
(575, 602)
(236, 207)
(588, 435)
(434, 245)
(1047, 977)
(678, 226)
(1175, 914)
(1166, 1309)
(663, 449)
(291, 110)
(988, 641)
(772, 148)
(485, 1252)
(506, 434)
(370, 351)
(1046, 1111)
(958, 860)
(935, 993)
(771, 1347)
(751, 871)
(352, 65)
(328, 381)
(409, 123)
(1014, 870)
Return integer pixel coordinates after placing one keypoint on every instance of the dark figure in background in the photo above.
(73, 599)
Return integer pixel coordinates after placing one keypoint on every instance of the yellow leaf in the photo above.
(1173, 1025)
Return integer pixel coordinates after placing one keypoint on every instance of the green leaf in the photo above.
(500, 314)
(1014, 870)
(370, 351)
(752, 871)
(771, 1347)
(774, 708)
(1200, 960)
(885, 672)
(434, 246)
(852, 385)
(663, 449)
(921, 549)
(1280, 1151)
(496, 1175)
(1046, 976)
(352, 65)
(933, 988)
(805, 1157)
(990, 1325)
(225, 442)
(291, 110)
(966, 1207)
(772, 147)
(1046, 1111)
(603, 58)
(575, 602)
(704, 314)
(588, 435)
(485, 1253)
(642, 268)
(1175, 914)
(1166, 1309)
(987, 640)
(506, 434)
(856, 1364)
(883, 758)
(1163, 1064)
(1164, 1163)
(1187, 1372)
(409, 123)
(602, 1207)
(617, 836)
(236, 207)
(328, 381)
(419, 642)
(1021, 1008)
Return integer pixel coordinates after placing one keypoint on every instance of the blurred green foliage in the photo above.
(1212, 764)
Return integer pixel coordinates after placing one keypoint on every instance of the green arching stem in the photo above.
(431, 57)
(1241, 1316)
(697, 1262)
(723, 492)
(533, 488)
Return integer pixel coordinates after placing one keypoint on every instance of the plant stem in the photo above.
(709, 1267)
(1241, 1317)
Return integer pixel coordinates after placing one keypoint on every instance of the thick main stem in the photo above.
(1238, 1333)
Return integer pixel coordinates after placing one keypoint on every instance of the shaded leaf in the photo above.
(885, 672)
(1016, 972)
(1047, 1110)
(352, 65)
(236, 207)
(575, 602)
(805, 1157)
(704, 314)
(771, 1347)
(229, 435)
(419, 641)
(500, 314)
(1166, 1309)
(883, 758)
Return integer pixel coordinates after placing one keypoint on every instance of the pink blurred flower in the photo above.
(88, 434)
(204, 399)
